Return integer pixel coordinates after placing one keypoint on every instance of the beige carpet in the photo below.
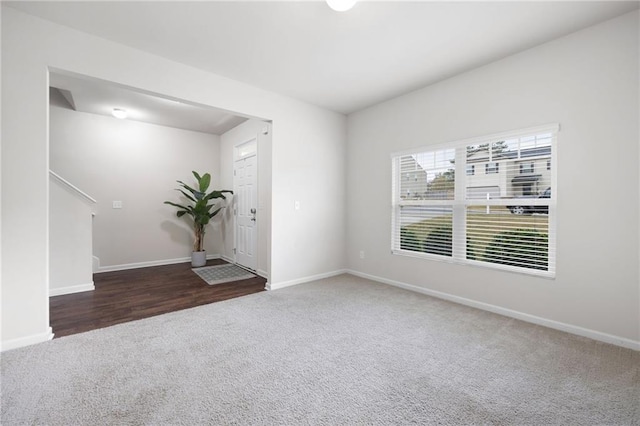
(337, 351)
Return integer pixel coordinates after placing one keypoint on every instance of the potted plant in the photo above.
(200, 210)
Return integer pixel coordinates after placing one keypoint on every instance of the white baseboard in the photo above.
(71, 289)
(26, 341)
(284, 284)
(573, 329)
(126, 266)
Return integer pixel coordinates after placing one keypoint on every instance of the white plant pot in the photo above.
(198, 258)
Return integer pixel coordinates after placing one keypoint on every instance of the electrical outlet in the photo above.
(117, 204)
(361, 254)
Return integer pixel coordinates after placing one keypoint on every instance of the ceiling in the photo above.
(99, 97)
(341, 61)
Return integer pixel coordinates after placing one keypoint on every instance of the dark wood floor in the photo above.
(124, 296)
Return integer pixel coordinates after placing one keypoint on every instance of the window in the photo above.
(442, 210)
(526, 168)
(471, 169)
(491, 168)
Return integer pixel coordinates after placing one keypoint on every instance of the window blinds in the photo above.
(488, 201)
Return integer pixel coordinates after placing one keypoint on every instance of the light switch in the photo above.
(296, 205)
(117, 204)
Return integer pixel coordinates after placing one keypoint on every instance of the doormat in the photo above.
(219, 274)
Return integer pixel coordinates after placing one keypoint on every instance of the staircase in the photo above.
(71, 214)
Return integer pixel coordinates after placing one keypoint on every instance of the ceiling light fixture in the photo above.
(119, 113)
(341, 5)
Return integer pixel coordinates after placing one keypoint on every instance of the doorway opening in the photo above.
(130, 168)
(245, 185)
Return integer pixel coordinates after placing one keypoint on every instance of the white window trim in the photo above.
(460, 204)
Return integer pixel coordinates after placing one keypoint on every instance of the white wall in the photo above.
(240, 134)
(308, 159)
(136, 163)
(588, 82)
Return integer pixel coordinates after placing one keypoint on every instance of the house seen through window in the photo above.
(527, 167)
(503, 218)
(491, 168)
(471, 169)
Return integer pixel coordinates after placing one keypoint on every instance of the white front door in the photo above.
(246, 193)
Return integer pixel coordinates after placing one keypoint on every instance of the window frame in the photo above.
(492, 168)
(527, 168)
(460, 203)
(470, 170)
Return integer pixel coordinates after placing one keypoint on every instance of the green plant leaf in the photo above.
(176, 205)
(187, 187)
(196, 175)
(218, 194)
(186, 195)
(204, 182)
(204, 219)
